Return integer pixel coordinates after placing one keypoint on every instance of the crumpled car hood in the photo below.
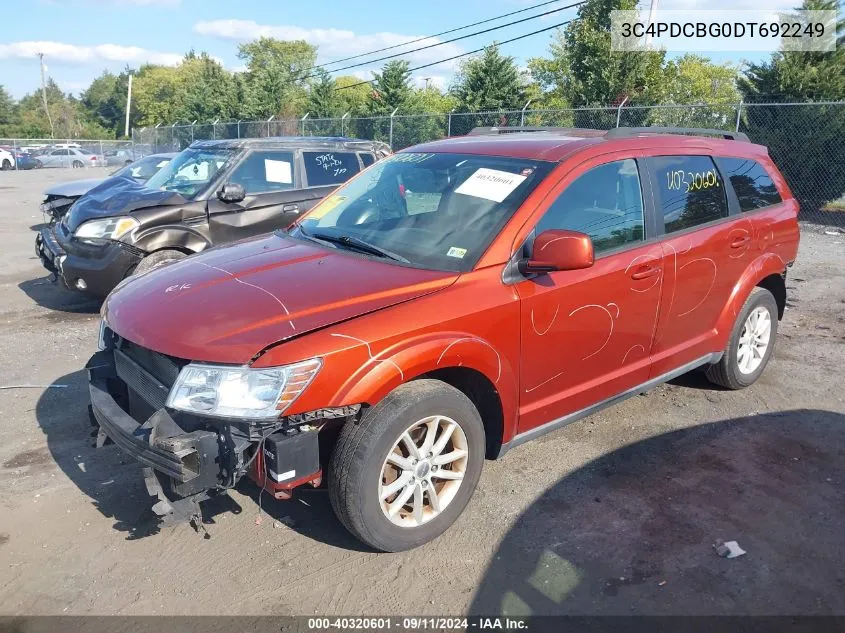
(118, 196)
(74, 188)
(227, 304)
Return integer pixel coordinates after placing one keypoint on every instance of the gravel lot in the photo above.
(616, 514)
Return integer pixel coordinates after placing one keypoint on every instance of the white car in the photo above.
(7, 160)
(70, 157)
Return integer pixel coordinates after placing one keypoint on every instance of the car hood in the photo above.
(118, 196)
(74, 188)
(227, 304)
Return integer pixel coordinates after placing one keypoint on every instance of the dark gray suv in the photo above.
(211, 193)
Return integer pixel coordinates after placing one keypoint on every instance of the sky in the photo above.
(81, 38)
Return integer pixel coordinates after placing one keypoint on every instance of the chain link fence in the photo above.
(806, 140)
(47, 153)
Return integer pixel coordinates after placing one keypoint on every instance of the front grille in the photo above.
(149, 375)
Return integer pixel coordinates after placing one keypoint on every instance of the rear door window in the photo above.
(690, 191)
(330, 168)
(367, 159)
(751, 182)
(265, 171)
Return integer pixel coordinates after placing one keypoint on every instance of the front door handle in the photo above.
(645, 273)
(740, 242)
(290, 208)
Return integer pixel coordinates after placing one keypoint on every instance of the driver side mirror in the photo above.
(231, 192)
(558, 249)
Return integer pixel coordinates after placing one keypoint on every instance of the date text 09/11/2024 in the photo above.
(418, 623)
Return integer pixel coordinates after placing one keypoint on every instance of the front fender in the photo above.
(765, 265)
(172, 236)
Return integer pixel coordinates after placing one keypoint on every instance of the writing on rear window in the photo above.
(687, 181)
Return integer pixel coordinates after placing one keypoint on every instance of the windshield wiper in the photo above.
(356, 244)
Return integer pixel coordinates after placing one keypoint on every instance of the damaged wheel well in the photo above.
(478, 388)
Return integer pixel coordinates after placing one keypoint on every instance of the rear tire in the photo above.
(157, 260)
(751, 344)
(77, 164)
(370, 455)
(6, 164)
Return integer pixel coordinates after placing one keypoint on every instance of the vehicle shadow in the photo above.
(633, 531)
(51, 295)
(114, 483)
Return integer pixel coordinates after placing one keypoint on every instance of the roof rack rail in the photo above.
(573, 131)
(626, 132)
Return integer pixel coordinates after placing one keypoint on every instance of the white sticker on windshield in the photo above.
(490, 184)
(456, 252)
(277, 171)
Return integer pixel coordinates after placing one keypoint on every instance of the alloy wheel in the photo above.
(754, 341)
(423, 471)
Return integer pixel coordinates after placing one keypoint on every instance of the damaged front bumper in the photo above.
(92, 268)
(187, 458)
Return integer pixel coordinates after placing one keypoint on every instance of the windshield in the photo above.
(142, 169)
(192, 171)
(438, 211)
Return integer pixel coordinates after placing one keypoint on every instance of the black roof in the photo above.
(295, 142)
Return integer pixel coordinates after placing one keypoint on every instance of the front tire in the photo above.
(751, 344)
(403, 474)
(6, 165)
(157, 260)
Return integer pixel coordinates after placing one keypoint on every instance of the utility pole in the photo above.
(128, 105)
(652, 16)
(44, 95)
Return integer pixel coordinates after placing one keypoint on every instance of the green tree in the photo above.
(155, 95)
(391, 88)
(323, 100)
(814, 170)
(689, 80)
(104, 101)
(275, 81)
(352, 95)
(8, 111)
(583, 70)
(207, 91)
(489, 82)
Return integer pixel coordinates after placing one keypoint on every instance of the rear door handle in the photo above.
(290, 208)
(645, 274)
(740, 242)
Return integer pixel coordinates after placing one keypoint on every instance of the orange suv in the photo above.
(449, 303)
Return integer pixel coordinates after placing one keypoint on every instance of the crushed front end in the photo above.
(189, 457)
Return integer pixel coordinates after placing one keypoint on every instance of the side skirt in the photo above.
(559, 423)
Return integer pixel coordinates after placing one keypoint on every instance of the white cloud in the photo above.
(59, 52)
(336, 43)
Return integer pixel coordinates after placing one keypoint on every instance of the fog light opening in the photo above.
(80, 284)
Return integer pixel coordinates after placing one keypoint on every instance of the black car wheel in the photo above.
(157, 260)
(38, 164)
(6, 164)
(77, 164)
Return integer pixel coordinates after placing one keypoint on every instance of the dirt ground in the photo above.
(616, 514)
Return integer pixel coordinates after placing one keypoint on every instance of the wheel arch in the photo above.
(767, 271)
(177, 238)
(465, 361)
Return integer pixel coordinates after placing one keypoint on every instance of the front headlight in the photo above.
(106, 229)
(240, 392)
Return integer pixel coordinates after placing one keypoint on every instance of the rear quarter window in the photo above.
(330, 168)
(751, 182)
(690, 191)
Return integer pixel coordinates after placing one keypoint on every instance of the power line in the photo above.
(477, 50)
(428, 37)
(454, 39)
